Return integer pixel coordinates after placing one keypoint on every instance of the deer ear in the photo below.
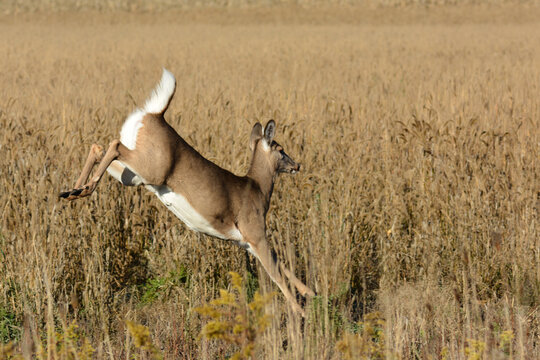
(256, 134)
(269, 131)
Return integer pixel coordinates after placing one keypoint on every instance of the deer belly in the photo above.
(183, 210)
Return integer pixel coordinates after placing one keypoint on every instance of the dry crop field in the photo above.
(414, 218)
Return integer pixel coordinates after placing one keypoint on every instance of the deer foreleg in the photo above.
(272, 267)
(300, 286)
(96, 153)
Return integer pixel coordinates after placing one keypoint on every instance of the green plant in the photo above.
(161, 287)
(475, 349)
(234, 320)
(9, 326)
(143, 340)
(71, 344)
(368, 342)
(505, 341)
(320, 307)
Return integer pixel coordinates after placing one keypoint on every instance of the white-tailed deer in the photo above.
(204, 196)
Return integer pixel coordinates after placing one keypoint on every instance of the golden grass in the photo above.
(418, 196)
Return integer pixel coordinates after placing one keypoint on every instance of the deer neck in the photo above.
(263, 175)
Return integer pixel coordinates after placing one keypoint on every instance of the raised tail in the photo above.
(157, 103)
(162, 95)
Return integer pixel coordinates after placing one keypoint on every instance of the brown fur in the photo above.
(226, 201)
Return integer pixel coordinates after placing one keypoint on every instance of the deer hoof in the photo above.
(75, 193)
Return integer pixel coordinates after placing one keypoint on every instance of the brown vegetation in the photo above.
(415, 215)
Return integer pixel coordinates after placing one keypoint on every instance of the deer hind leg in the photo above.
(272, 267)
(95, 155)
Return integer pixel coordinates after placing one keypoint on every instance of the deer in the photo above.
(205, 197)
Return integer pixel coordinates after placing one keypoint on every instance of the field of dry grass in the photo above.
(414, 218)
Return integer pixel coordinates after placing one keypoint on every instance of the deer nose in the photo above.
(296, 168)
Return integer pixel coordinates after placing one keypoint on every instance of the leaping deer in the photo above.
(207, 198)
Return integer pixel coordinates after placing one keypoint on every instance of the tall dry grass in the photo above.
(418, 196)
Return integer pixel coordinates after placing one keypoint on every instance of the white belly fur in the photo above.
(180, 207)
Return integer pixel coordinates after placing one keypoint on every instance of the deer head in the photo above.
(267, 153)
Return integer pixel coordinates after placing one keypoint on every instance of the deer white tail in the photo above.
(162, 94)
(157, 103)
